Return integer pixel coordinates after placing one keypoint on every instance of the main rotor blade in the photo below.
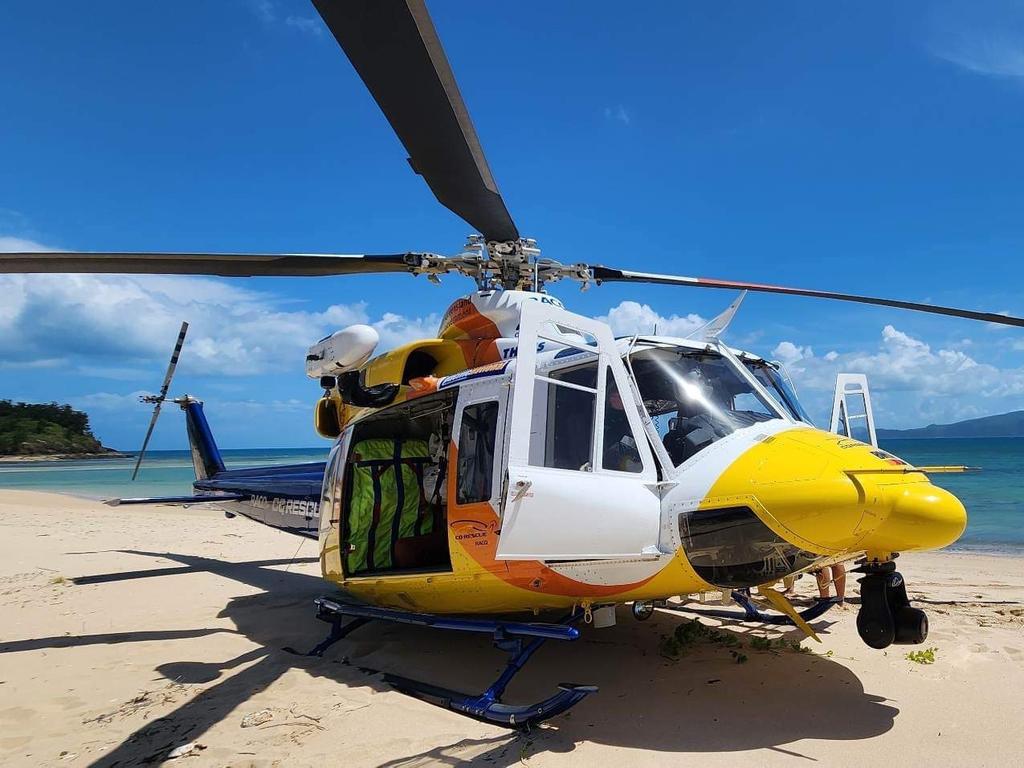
(609, 274)
(223, 264)
(395, 49)
(171, 366)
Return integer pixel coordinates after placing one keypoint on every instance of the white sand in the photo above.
(125, 632)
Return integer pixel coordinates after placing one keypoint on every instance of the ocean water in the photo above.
(163, 473)
(994, 496)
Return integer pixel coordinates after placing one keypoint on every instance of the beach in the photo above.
(128, 632)
(45, 457)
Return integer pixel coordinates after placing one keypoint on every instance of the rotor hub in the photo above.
(510, 264)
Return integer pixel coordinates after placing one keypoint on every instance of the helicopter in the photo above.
(525, 462)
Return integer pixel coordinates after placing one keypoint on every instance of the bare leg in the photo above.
(823, 582)
(839, 579)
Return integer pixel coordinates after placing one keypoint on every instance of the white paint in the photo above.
(342, 351)
(573, 514)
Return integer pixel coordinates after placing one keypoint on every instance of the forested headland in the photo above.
(42, 429)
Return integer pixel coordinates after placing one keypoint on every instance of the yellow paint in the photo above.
(818, 491)
(389, 367)
(800, 483)
(782, 605)
(325, 418)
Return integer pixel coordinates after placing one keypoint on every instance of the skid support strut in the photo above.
(751, 612)
(519, 639)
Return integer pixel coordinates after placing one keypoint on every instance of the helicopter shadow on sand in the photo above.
(704, 702)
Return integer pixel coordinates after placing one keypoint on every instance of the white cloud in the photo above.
(984, 36)
(618, 114)
(631, 317)
(911, 382)
(267, 11)
(50, 362)
(789, 353)
(8, 244)
(264, 10)
(109, 401)
(291, 405)
(308, 24)
(114, 325)
(986, 55)
(396, 330)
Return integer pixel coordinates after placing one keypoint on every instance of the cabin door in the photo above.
(581, 477)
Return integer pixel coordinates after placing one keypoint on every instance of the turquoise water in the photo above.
(994, 497)
(163, 473)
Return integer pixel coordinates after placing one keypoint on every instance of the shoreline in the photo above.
(35, 458)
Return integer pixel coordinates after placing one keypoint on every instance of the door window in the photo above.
(563, 438)
(619, 449)
(330, 498)
(476, 452)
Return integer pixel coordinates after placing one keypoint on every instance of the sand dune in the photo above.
(128, 632)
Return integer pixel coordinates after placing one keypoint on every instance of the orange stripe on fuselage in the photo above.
(476, 527)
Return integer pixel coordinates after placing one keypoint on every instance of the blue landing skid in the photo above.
(508, 636)
(751, 613)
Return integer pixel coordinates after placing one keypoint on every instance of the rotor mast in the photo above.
(510, 265)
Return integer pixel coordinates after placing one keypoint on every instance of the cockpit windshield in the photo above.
(771, 378)
(695, 397)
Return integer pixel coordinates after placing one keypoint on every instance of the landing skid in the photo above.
(750, 611)
(519, 639)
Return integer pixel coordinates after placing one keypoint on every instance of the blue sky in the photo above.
(864, 147)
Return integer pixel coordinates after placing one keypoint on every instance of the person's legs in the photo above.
(823, 582)
(839, 579)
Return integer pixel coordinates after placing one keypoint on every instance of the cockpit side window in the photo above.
(772, 379)
(696, 397)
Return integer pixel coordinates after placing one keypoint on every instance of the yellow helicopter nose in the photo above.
(830, 495)
(920, 516)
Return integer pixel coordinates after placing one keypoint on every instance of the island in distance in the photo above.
(47, 431)
(1001, 425)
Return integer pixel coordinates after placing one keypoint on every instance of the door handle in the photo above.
(521, 486)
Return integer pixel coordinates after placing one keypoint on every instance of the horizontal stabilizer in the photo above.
(202, 499)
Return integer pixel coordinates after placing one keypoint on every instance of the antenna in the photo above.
(158, 400)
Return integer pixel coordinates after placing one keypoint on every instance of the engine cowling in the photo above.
(342, 351)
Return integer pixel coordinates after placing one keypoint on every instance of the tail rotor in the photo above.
(158, 400)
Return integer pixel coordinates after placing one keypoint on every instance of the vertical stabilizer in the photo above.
(206, 458)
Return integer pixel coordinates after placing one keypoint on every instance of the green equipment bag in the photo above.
(387, 500)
